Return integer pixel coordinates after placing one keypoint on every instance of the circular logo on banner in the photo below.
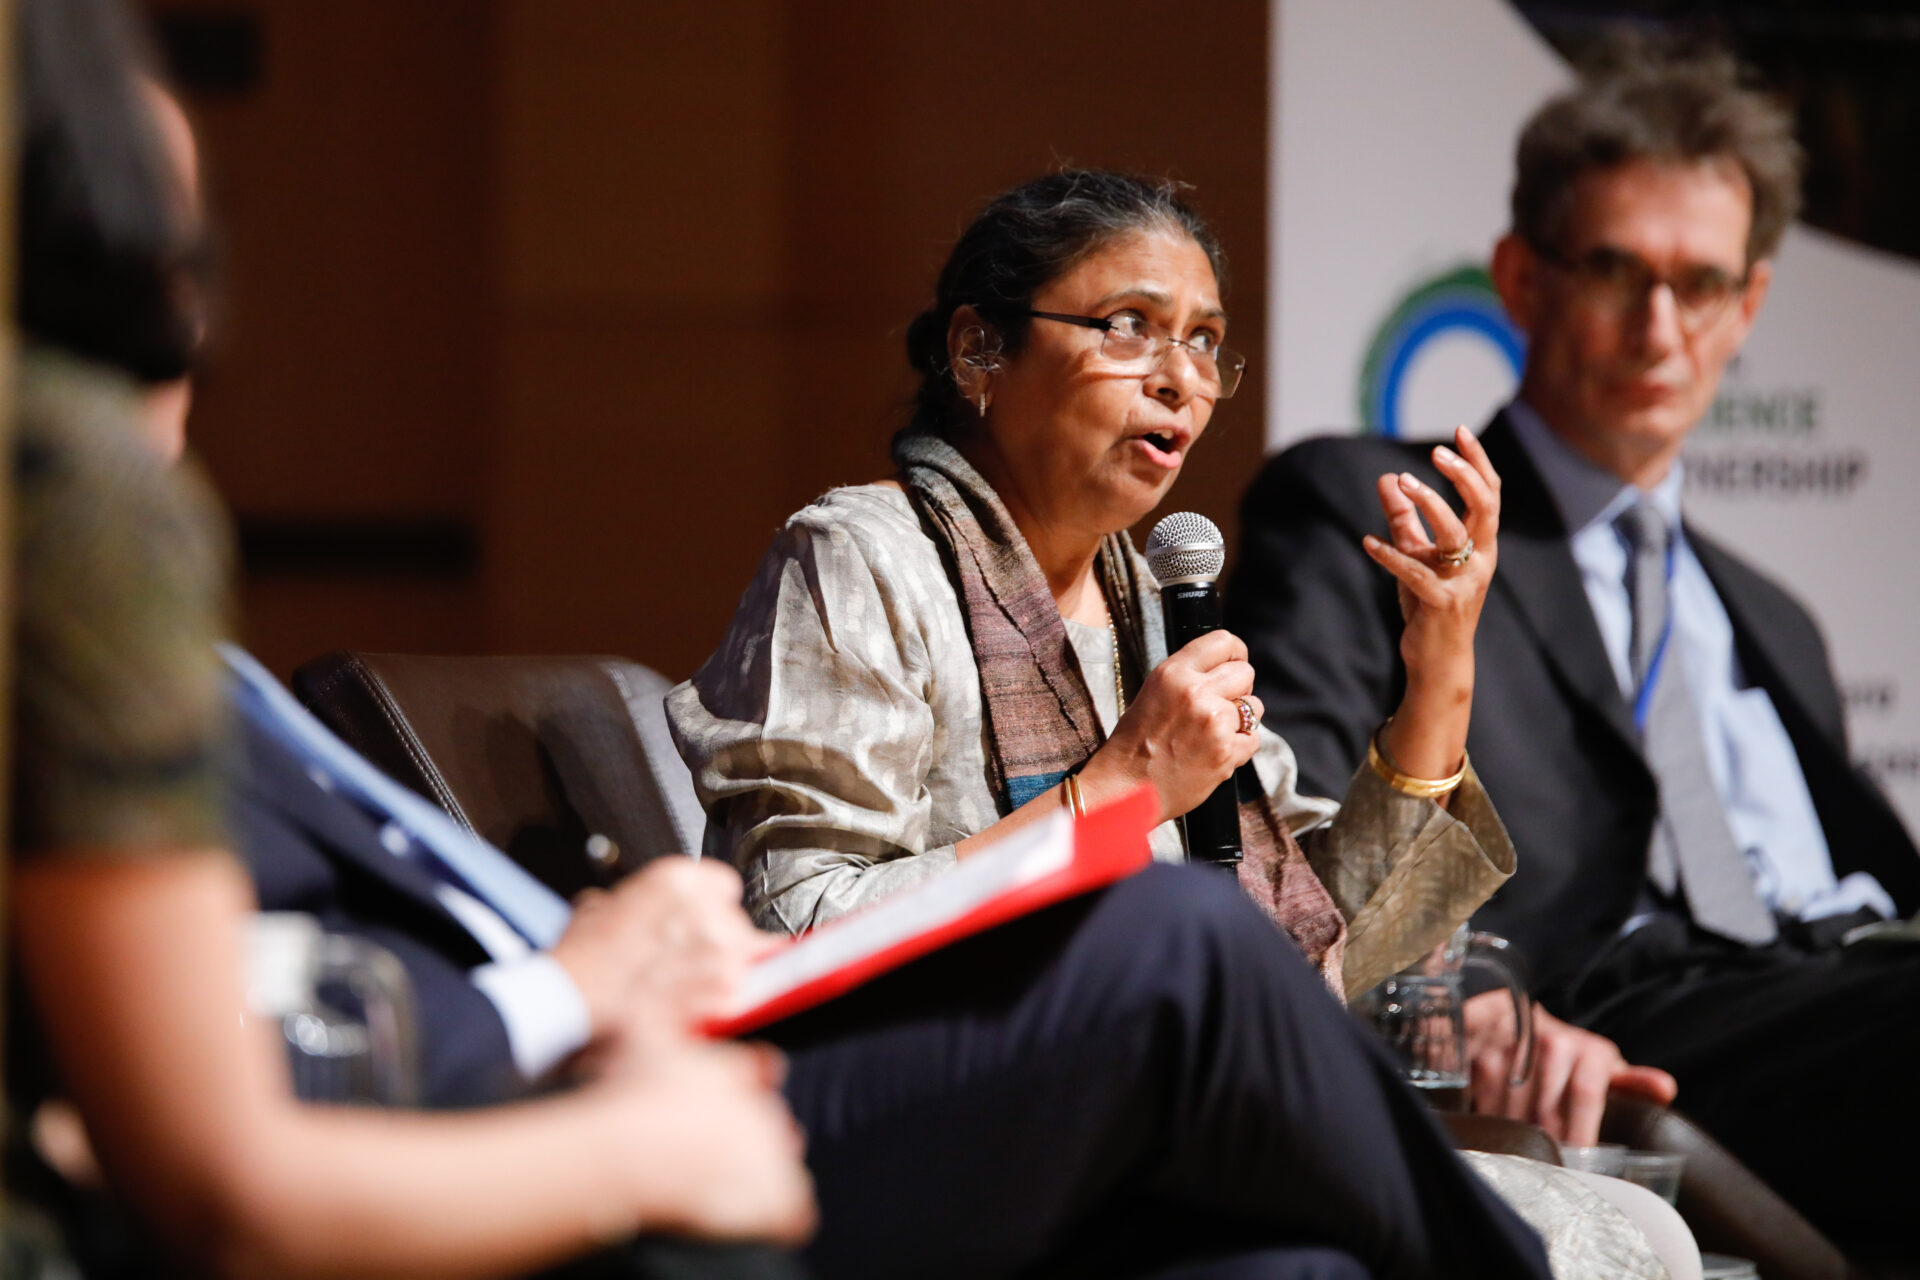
(1450, 331)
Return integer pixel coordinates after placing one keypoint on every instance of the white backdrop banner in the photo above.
(1392, 152)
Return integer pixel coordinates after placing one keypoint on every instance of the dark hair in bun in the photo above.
(1024, 239)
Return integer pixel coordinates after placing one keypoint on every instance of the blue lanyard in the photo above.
(1644, 701)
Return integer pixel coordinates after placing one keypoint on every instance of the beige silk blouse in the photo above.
(837, 737)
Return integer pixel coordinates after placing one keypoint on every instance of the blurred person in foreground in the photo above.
(1063, 1096)
(926, 664)
(127, 912)
(1656, 719)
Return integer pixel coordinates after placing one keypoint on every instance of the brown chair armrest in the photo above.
(1728, 1207)
(1500, 1136)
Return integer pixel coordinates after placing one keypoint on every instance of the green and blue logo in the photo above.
(1459, 301)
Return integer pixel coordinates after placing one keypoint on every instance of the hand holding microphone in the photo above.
(1195, 720)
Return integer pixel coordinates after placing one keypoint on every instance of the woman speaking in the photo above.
(925, 663)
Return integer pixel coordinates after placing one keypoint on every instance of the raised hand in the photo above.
(1443, 564)
(1444, 575)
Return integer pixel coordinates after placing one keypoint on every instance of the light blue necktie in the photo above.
(535, 912)
(1692, 847)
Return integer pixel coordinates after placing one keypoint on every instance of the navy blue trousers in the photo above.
(1148, 1081)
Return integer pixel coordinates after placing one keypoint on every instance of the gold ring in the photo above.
(1459, 555)
(1248, 721)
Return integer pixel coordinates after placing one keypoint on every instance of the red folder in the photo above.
(1046, 862)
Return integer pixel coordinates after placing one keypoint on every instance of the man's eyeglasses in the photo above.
(1134, 346)
(1623, 281)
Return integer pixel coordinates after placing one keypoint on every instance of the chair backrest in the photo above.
(1729, 1209)
(537, 755)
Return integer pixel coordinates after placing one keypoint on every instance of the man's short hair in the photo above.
(1636, 101)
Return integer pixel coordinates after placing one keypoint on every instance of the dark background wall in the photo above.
(542, 314)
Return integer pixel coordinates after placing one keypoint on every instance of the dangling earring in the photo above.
(982, 359)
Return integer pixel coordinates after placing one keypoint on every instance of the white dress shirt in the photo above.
(1755, 769)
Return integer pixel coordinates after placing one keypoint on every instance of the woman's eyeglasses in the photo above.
(1623, 282)
(1137, 347)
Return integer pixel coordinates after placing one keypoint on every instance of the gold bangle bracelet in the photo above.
(1076, 799)
(1407, 784)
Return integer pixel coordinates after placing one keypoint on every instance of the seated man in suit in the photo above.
(1655, 719)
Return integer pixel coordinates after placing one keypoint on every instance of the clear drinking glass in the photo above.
(1419, 1012)
(343, 1009)
(1602, 1157)
(1657, 1171)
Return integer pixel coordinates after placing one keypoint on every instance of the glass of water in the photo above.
(343, 1009)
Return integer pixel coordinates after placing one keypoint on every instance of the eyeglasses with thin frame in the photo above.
(1134, 345)
(1622, 282)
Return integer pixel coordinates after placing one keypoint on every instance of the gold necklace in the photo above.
(1119, 685)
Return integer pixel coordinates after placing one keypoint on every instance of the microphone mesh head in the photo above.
(1185, 547)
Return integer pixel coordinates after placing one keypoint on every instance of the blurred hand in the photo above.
(668, 945)
(1573, 1070)
(715, 1152)
(1182, 731)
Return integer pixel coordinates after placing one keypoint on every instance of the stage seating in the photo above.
(563, 762)
(540, 754)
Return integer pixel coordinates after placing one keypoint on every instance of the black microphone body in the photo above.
(1212, 827)
(1190, 605)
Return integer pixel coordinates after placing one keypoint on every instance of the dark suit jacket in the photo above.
(1552, 738)
(312, 851)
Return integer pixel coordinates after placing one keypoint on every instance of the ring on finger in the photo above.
(1459, 555)
(1248, 721)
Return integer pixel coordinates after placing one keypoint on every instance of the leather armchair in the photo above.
(538, 755)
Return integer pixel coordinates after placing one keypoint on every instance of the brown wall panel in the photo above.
(620, 285)
(350, 187)
(641, 185)
(631, 501)
(348, 375)
(815, 161)
(641, 150)
(287, 620)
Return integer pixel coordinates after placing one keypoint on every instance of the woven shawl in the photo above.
(1040, 718)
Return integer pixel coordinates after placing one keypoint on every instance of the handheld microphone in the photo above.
(1185, 553)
